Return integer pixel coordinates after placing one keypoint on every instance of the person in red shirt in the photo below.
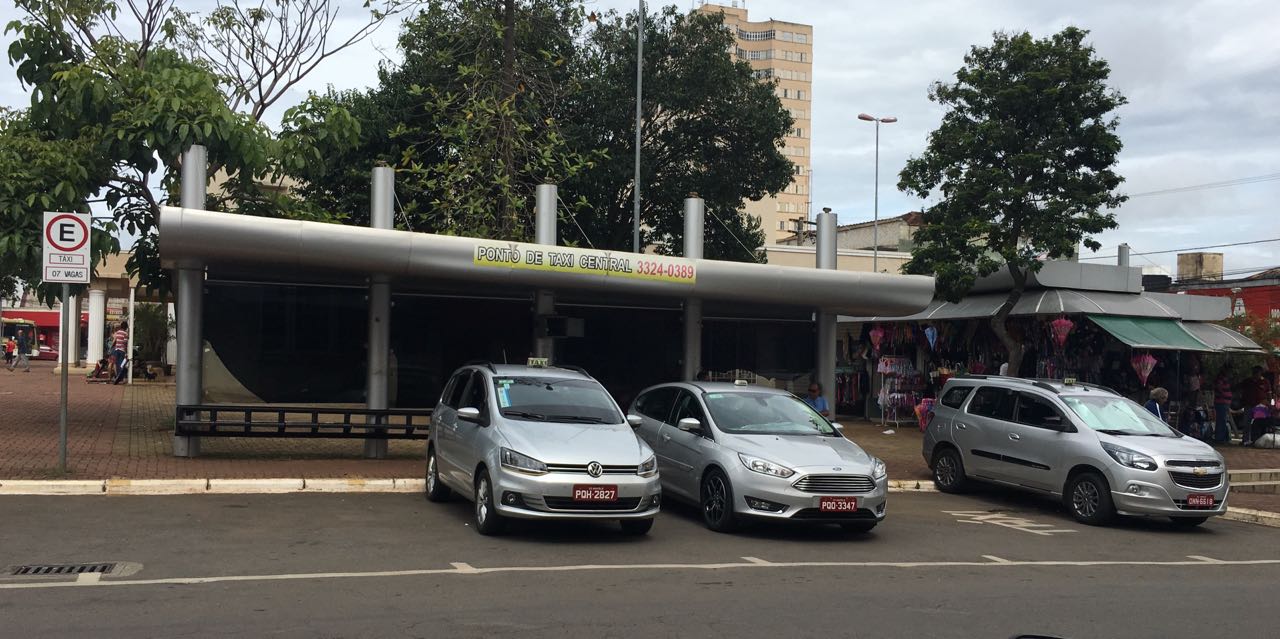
(119, 344)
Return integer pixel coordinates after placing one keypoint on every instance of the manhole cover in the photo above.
(40, 570)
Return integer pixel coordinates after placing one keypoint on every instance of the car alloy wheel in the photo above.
(488, 521)
(1084, 499)
(1088, 497)
(436, 490)
(948, 471)
(717, 502)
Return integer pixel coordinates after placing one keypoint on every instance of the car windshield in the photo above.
(1117, 416)
(551, 399)
(750, 413)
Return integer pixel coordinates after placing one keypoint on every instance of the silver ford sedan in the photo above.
(538, 443)
(741, 451)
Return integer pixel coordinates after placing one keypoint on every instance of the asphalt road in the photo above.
(989, 565)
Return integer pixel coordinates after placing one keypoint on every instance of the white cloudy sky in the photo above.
(1202, 78)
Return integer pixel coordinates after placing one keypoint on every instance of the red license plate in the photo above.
(1199, 501)
(584, 492)
(837, 504)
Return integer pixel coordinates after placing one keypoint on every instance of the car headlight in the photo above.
(522, 463)
(648, 467)
(878, 469)
(1130, 457)
(765, 467)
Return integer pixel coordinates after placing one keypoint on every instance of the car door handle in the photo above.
(666, 438)
(1015, 436)
(961, 426)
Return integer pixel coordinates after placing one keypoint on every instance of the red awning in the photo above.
(50, 318)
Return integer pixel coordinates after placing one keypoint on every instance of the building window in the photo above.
(797, 132)
(755, 36)
(801, 94)
(799, 170)
(782, 225)
(762, 74)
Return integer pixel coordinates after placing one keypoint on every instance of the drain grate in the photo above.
(61, 569)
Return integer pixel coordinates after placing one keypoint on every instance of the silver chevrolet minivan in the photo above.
(1101, 453)
(534, 442)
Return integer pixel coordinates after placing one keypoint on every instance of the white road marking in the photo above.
(1207, 560)
(88, 577)
(462, 567)
(993, 562)
(1007, 521)
(757, 560)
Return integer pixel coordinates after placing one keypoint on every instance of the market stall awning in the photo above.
(1040, 302)
(1150, 333)
(1221, 338)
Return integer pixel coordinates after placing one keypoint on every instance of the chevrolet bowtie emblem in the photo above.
(1199, 472)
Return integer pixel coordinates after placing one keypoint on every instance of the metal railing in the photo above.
(265, 420)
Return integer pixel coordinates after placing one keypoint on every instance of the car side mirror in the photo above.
(635, 421)
(689, 425)
(469, 414)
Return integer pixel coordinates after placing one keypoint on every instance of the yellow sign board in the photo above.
(562, 259)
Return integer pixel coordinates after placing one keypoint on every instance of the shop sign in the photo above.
(561, 259)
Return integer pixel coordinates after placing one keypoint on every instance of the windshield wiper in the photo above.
(520, 413)
(1119, 432)
(577, 418)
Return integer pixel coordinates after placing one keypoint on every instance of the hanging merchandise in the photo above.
(1143, 364)
(931, 334)
(1061, 328)
(877, 334)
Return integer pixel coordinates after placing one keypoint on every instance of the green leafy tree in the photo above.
(1023, 164)
(710, 127)
(133, 103)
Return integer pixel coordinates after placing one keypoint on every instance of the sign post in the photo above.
(65, 260)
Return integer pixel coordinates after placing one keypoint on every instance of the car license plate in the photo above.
(837, 504)
(585, 492)
(1199, 501)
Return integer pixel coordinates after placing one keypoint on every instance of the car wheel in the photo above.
(488, 521)
(1088, 497)
(717, 502)
(948, 471)
(436, 490)
(636, 526)
(859, 527)
(1187, 522)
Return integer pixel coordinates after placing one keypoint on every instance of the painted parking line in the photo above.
(992, 561)
(1006, 520)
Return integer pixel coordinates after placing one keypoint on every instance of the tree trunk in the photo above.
(507, 129)
(1000, 321)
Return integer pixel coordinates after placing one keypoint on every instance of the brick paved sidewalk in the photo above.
(126, 432)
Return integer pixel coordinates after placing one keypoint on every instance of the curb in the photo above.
(73, 487)
(911, 486)
(1251, 516)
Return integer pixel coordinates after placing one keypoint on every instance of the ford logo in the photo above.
(837, 468)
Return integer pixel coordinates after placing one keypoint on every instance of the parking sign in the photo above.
(66, 247)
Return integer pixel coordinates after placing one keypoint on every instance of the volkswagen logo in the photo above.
(595, 469)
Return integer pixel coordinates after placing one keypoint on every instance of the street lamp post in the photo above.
(875, 225)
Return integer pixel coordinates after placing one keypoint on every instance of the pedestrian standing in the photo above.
(1221, 407)
(22, 347)
(9, 347)
(1157, 403)
(816, 401)
(120, 342)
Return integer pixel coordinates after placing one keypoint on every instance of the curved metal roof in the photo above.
(194, 238)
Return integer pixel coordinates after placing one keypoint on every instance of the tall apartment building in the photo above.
(783, 51)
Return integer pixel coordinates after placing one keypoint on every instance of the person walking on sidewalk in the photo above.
(120, 342)
(22, 348)
(9, 347)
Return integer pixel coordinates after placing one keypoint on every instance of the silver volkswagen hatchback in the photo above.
(538, 443)
(740, 451)
(1100, 453)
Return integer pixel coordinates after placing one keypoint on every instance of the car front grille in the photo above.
(567, 503)
(581, 469)
(1191, 480)
(835, 484)
(1193, 463)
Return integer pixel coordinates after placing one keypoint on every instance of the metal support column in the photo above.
(544, 303)
(826, 354)
(73, 333)
(97, 324)
(694, 212)
(376, 386)
(190, 309)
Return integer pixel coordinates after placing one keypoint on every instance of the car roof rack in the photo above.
(576, 369)
(483, 362)
(1038, 383)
